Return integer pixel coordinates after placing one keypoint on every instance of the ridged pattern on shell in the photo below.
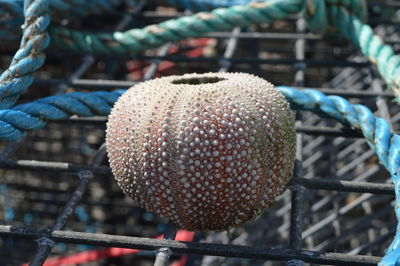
(207, 156)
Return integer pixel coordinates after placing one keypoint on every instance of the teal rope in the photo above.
(377, 133)
(346, 16)
(136, 40)
(321, 15)
(10, 29)
(372, 46)
(317, 12)
(29, 57)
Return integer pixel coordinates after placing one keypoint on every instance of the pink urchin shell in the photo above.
(208, 151)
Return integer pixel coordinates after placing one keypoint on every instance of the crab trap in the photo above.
(335, 62)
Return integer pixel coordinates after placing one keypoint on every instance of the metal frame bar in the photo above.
(188, 247)
(294, 255)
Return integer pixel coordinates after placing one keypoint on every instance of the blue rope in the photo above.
(14, 122)
(35, 39)
(19, 119)
(376, 132)
(29, 116)
(14, 11)
(30, 57)
(18, 77)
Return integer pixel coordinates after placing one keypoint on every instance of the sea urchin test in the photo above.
(208, 151)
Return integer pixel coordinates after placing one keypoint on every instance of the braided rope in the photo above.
(29, 57)
(34, 115)
(345, 15)
(376, 132)
(317, 12)
(315, 8)
(136, 40)
(14, 122)
(371, 45)
(60, 9)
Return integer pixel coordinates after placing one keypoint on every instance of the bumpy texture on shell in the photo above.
(208, 151)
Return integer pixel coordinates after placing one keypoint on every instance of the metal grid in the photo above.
(332, 212)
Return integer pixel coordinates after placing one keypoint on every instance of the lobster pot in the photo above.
(340, 200)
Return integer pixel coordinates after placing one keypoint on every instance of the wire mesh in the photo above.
(58, 191)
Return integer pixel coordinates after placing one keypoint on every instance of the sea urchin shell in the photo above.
(208, 151)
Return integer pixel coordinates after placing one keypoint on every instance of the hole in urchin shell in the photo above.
(198, 81)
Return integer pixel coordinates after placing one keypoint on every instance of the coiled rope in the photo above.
(60, 9)
(29, 57)
(136, 40)
(33, 115)
(376, 131)
(345, 15)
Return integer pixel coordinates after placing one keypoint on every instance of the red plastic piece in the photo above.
(106, 253)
